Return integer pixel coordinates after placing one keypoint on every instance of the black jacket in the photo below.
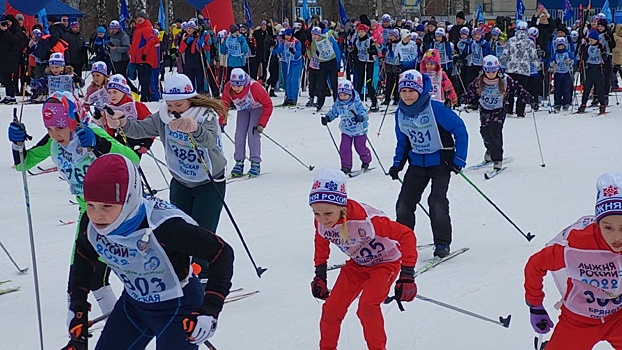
(12, 44)
(76, 53)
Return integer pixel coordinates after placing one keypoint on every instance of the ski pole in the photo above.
(385, 112)
(310, 167)
(529, 236)
(419, 204)
(332, 138)
(535, 125)
(258, 269)
(503, 322)
(538, 343)
(157, 163)
(19, 270)
(33, 253)
(233, 142)
(376, 154)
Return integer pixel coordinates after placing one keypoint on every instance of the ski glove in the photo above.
(78, 317)
(258, 129)
(405, 286)
(199, 328)
(324, 120)
(540, 320)
(358, 118)
(17, 132)
(189, 40)
(86, 136)
(291, 49)
(394, 172)
(454, 168)
(77, 80)
(318, 286)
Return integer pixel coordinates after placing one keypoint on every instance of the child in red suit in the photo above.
(379, 248)
(585, 260)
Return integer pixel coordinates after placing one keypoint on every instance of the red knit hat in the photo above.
(107, 180)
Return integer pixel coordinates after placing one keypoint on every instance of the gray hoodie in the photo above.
(121, 41)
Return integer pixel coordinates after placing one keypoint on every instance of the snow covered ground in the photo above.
(276, 221)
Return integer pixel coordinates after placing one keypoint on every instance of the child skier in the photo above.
(96, 94)
(353, 125)
(366, 53)
(356, 227)
(254, 108)
(190, 188)
(434, 140)
(442, 89)
(443, 47)
(73, 145)
(476, 51)
(57, 77)
(562, 61)
(593, 54)
(328, 54)
(163, 240)
(290, 50)
(462, 59)
(535, 84)
(493, 89)
(584, 260)
(407, 51)
(391, 67)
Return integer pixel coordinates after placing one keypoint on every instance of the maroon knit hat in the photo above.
(107, 180)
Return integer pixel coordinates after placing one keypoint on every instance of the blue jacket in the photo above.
(236, 48)
(450, 126)
(348, 110)
(286, 56)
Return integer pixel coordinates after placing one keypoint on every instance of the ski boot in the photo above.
(238, 169)
(602, 110)
(487, 158)
(556, 109)
(272, 94)
(310, 102)
(581, 109)
(497, 165)
(365, 166)
(346, 169)
(565, 107)
(441, 250)
(254, 170)
(374, 108)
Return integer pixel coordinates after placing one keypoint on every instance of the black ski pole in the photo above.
(310, 167)
(529, 236)
(19, 270)
(332, 138)
(258, 269)
(385, 111)
(376, 154)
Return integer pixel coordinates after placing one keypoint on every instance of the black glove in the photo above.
(358, 118)
(324, 120)
(454, 168)
(394, 172)
(26, 79)
(144, 57)
(317, 52)
(77, 80)
(319, 288)
(79, 326)
(97, 114)
(291, 49)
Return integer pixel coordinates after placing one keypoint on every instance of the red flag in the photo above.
(29, 21)
(220, 13)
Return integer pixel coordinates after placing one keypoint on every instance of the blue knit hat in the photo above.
(289, 31)
(101, 30)
(593, 35)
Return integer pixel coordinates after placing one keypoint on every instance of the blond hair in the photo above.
(343, 231)
(215, 105)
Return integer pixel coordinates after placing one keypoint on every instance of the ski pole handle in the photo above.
(388, 300)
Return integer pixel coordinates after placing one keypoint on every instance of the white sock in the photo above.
(105, 298)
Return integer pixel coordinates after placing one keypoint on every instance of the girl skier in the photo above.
(562, 61)
(442, 89)
(391, 67)
(493, 90)
(254, 108)
(162, 241)
(366, 53)
(290, 50)
(73, 145)
(443, 47)
(353, 125)
(96, 94)
(585, 260)
(476, 51)
(190, 188)
(356, 228)
(593, 54)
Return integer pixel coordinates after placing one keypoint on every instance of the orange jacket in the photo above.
(383, 226)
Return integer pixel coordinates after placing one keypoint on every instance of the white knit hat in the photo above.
(609, 195)
(57, 59)
(118, 82)
(177, 87)
(329, 186)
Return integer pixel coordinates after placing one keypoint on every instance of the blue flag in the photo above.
(124, 14)
(520, 10)
(305, 10)
(162, 16)
(479, 14)
(343, 17)
(43, 18)
(607, 11)
(247, 14)
(568, 12)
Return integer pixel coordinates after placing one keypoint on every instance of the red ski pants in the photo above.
(373, 283)
(573, 333)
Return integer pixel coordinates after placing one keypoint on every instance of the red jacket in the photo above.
(551, 258)
(143, 47)
(259, 94)
(383, 226)
(194, 45)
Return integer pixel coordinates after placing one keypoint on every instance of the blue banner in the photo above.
(520, 10)
(247, 14)
(479, 14)
(43, 18)
(306, 15)
(162, 16)
(607, 11)
(124, 14)
(568, 12)
(343, 16)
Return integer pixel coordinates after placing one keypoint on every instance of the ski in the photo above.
(338, 266)
(3, 282)
(43, 171)
(63, 222)
(485, 164)
(436, 261)
(359, 172)
(243, 177)
(9, 290)
(490, 174)
(237, 297)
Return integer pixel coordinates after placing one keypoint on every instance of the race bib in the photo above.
(99, 98)
(59, 83)
(422, 131)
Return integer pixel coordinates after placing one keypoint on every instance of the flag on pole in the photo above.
(43, 18)
(343, 17)
(305, 13)
(162, 16)
(124, 14)
(520, 10)
(568, 12)
(247, 14)
(607, 11)
(479, 14)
